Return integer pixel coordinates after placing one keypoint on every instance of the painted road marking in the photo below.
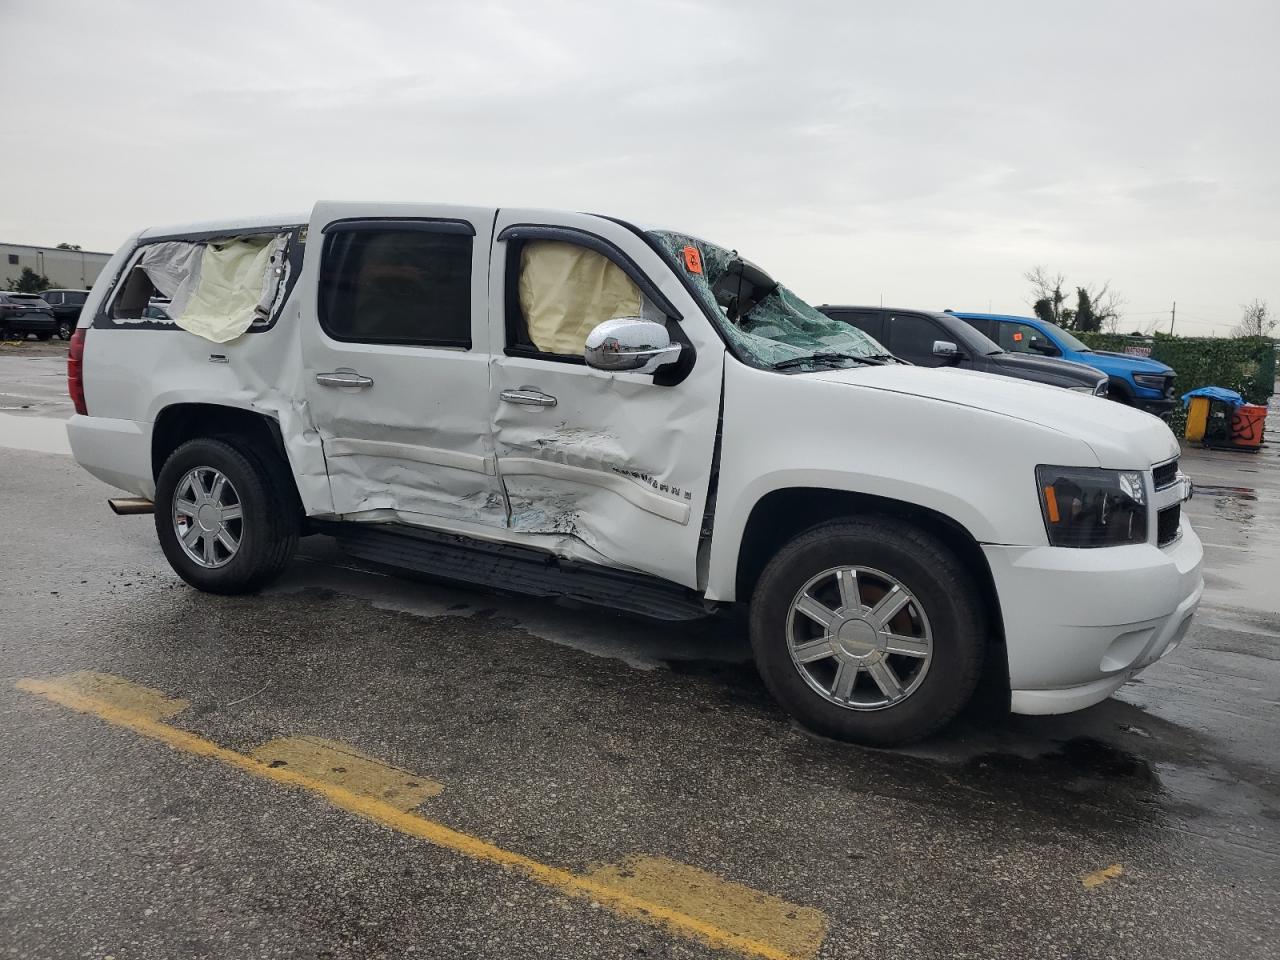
(738, 923)
(343, 765)
(1099, 877)
(798, 931)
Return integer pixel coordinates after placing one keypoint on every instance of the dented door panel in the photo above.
(404, 426)
(618, 464)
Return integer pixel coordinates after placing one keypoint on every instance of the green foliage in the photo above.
(1246, 364)
(68, 246)
(1086, 320)
(1044, 310)
(30, 282)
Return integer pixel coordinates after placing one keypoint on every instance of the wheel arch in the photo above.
(260, 433)
(782, 514)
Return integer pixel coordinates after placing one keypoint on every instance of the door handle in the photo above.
(530, 395)
(343, 378)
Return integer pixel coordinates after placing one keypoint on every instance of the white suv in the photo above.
(571, 405)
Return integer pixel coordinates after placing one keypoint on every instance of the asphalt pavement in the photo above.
(357, 764)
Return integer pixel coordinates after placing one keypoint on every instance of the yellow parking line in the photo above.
(142, 710)
(1099, 877)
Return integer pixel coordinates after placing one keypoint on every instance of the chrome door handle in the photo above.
(529, 395)
(343, 378)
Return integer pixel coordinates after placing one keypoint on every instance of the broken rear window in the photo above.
(217, 289)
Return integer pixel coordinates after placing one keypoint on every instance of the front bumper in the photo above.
(1079, 623)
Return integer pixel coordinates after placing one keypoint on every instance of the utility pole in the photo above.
(1173, 315)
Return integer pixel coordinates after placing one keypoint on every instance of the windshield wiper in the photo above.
(825, 358)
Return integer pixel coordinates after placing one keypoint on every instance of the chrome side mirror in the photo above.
(630, 343)
(945, 348)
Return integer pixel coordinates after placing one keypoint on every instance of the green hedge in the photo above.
(1246, 364)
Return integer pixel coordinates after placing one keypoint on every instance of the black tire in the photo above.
(65, 329)
(923, 565)
(44, 335)
(269, 531)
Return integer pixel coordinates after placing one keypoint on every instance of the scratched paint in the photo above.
(632, 891)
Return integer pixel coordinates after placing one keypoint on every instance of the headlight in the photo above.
(1088, 507)
(1152, 381)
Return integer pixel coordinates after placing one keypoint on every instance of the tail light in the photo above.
(75, 370)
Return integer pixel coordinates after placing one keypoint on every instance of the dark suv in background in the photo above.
(24, 313)
(66, 306)
(941, 340)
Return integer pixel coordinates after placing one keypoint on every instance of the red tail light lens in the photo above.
(75, 370)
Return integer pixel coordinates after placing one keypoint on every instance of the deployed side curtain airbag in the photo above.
(217, 289)
(566, 290)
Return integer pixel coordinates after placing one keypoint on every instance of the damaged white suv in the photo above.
(569, 405)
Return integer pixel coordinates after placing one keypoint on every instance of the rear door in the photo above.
(870, 322)
(395, 345)
(610, 467)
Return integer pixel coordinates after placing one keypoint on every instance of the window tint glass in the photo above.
(76, 299)
(397, 286)
(52, 298)
(1018, 337)
(912, 337)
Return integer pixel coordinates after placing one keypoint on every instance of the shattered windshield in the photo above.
(776, 328)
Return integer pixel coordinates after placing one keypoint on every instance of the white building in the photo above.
(73, 269)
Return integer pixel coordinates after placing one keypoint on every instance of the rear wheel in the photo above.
(65, 329)
(222, 522)
(868, 630)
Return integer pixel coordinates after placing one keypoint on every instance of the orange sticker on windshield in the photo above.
(1017, 337)
(692, 259)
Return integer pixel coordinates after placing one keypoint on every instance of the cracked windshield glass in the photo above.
(764, 322)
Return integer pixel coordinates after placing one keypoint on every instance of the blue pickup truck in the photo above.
(1138, 381)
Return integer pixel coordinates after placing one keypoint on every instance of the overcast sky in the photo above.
(925, 153)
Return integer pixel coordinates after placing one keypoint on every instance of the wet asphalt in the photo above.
(576, 737)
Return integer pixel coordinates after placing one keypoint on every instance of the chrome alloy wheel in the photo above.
(859, 638)
(208, 517)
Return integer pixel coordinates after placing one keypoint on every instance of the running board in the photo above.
(518, 570)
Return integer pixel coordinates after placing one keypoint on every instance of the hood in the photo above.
(1121, 437)
(1124, 361)
(1046, 369)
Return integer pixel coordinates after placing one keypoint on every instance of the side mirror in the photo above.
(1042, 347)
(946, 349)
(630, 343)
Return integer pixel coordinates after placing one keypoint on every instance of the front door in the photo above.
(396, 351)
(614, 467)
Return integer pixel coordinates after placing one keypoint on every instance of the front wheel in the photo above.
(869, 630)
(221, 518)
(65, 329)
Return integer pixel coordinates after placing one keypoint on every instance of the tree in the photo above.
(1046, 292)
(1257, 321)
(69, 246)
(1096, 307)
(30, 282)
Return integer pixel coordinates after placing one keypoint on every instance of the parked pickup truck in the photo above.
(569, 405)
(1137, 381)
(943, 340)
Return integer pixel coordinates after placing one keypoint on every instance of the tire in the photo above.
(266, 535)
(43, 335)
(942, 613)
(65, 329)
